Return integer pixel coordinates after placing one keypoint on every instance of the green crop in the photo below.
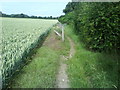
(19, 36)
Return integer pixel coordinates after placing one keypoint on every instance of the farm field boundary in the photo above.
(44, 65)
(23, 61)
(31, 38)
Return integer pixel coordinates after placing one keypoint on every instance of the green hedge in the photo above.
(97, 23)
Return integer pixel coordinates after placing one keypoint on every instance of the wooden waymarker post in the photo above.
(57, 33)
(62, 32)
(61, 26)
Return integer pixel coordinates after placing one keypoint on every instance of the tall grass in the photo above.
(42, 66)
(40, 73)
(88, 69)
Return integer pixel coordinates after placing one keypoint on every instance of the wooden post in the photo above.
(57, 33)
(62, 33)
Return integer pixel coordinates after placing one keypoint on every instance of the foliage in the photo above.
(70, 7)
(88, 69)
(68, 18)
(40, 72)
(96, 23)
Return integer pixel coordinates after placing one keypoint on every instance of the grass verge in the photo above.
(87, 69)
(40, 72)
(42, 67)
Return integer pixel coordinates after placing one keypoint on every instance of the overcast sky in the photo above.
(34, 7)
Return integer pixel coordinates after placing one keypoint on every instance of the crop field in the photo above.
(60, 44)
(19, 36)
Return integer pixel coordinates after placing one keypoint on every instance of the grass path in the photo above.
(67, 64)
(41, 71)
(43, 65)
(89, 69)
(62, 77)
(72, 49)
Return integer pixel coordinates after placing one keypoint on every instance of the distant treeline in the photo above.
(25, 16)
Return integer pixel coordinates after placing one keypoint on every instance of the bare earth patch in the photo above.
(62, 78)
(54, 43)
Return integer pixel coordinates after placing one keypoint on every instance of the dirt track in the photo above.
(54, 43)
(62, 78)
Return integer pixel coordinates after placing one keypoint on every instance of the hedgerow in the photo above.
(97, 24)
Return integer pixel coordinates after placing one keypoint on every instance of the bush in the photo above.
(96, 23)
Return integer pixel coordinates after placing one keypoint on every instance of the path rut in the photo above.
(62, 77)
